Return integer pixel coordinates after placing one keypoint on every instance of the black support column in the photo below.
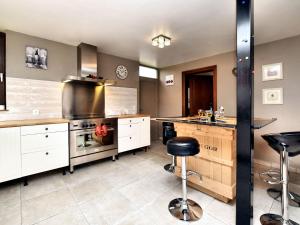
(245, 66)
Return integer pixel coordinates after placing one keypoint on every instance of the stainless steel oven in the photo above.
(86, 145)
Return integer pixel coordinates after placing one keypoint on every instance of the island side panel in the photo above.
(216, 161)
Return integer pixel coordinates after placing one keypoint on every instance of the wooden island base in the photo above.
(216, 162)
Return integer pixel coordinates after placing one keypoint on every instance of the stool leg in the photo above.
(183, 176)
(273, 219)
(171, 167)
(276, 192)
(285, 180)
(183, 208)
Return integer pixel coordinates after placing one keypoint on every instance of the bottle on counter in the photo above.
(210, 114)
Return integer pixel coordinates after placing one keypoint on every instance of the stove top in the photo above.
(90, 123)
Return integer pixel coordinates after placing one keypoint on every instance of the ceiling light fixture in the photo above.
(161, 41)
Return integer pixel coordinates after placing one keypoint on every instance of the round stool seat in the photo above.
(289, 140)
(183, 146)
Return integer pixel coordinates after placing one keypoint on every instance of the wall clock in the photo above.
(121, 72)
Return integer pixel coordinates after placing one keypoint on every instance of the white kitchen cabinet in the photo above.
(145, 131)
(10, 154)
(29, 150)
(133, 133)
(44, 149)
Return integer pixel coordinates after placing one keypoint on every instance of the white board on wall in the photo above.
(120, 100)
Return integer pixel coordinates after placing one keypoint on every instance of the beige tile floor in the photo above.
(134, 190)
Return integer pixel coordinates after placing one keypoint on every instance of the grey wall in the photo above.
(107, 65)
(286, 51)
(62, 58)
(62, 61)
(170, 101)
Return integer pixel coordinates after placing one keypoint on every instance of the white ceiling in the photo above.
(198, 28)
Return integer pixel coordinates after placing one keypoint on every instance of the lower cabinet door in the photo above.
(10, 154)
(126, 143)
(38, 162)
(145, 132)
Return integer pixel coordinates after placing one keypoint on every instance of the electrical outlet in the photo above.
(35, 112)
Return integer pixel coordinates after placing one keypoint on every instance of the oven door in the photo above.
(84, 142)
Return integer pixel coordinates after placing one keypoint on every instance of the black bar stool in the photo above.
(184, 208)
(273, 176)
(287, 144)
(168, 133)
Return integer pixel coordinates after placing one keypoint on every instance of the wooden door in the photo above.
(2, 71)
(201, 93)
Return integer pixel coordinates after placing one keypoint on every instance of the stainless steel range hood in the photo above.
(87, 69)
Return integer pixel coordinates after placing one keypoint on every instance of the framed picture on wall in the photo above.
(36, 57)
(272, 96)
(272, 72)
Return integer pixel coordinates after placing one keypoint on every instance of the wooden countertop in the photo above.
(128, 116)
(19, 123)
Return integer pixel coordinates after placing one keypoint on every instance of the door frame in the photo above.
(188, 73)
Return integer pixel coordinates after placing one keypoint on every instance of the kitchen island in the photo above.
(216, 161)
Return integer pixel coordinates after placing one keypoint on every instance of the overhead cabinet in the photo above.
(133, 133)
(2, 71)
(29, 150)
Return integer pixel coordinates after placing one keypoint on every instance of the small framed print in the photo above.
(36, 57)
(272, 72)
(272, 96)
(169, 80)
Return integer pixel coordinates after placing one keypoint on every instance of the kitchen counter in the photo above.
(229, 122)
(128, 116)
(31, 122)
(216, 161)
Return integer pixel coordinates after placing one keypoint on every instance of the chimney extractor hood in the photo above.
(87, 57)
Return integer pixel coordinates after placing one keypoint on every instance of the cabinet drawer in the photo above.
(46, 141)
(127, 143)
(41, 161)
(129, 121)
(47, 128)
(128, 130)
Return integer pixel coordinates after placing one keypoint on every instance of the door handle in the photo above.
(1, 77)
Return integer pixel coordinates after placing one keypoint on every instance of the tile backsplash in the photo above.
(120, 100)
(32, 99)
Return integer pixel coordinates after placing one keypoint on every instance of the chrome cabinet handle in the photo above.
(1, 77)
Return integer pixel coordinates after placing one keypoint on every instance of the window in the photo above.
(149, 72)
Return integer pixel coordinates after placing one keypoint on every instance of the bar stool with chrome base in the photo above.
(287, 144)
(273, 176)
(168, 133)
(184, 208)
